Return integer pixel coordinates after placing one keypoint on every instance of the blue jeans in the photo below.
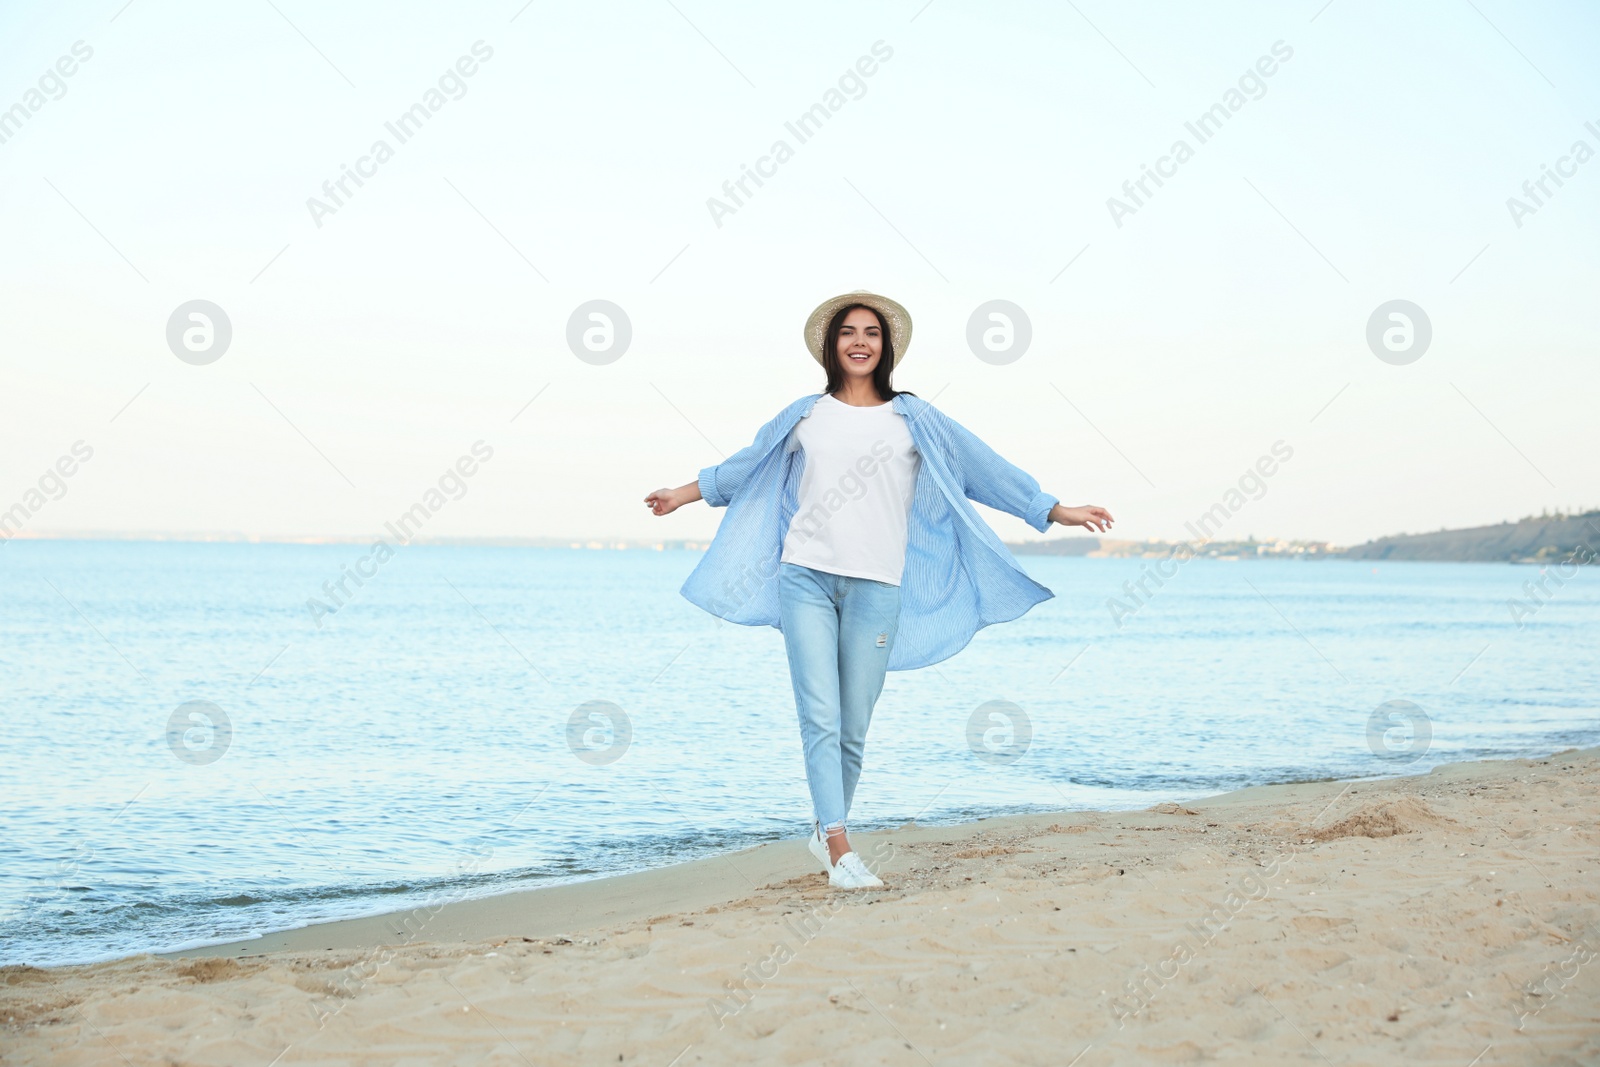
(838, 632)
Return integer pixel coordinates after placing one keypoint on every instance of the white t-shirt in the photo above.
(855, 493)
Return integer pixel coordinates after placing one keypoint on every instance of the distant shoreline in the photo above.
(614, 544)
(1122, 550)
(1560, 540)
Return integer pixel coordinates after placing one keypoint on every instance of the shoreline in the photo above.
(478, 918)
(581, 906)
(1402, 919)
(301, 938)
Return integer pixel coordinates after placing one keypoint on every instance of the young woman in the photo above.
(849, 529)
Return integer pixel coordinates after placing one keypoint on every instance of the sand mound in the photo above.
(984, 853)
(1385, 818)
(215, 969)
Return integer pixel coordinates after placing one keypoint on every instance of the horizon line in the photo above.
(655, 543)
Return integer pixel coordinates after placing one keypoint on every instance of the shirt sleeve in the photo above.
(721, 482)
(991, 480)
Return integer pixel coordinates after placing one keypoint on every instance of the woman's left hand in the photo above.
(1087, 515)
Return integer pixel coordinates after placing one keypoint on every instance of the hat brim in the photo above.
(897, 317)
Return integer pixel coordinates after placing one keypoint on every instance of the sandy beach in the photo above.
(1450, 918)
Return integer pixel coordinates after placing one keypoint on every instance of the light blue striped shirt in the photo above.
(958, 576)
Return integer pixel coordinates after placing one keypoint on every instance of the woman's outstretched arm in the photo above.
(992, 480)
(719, 483)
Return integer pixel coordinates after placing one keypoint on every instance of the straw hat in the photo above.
(898, 318)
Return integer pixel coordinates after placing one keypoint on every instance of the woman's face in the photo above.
(860, 343)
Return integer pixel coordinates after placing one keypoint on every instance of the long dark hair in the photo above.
(880, 374)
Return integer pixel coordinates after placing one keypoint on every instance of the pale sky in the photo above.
(975, 163)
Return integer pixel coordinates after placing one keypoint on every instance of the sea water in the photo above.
(208, 741)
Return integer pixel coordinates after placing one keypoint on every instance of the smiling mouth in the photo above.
(860, 357)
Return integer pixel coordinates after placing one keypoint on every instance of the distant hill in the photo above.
(1541, 539)
(1545, 539)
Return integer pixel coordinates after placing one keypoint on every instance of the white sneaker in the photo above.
(819, 849)
(851, 873)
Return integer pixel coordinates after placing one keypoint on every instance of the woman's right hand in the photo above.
(664, 501)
